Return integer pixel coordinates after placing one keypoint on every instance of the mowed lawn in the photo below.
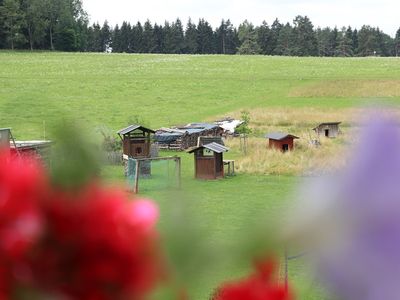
(227, 211)
(39, 89)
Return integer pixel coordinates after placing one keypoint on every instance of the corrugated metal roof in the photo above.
(216, 147)
(213, 147)
(330, 123)
(204, 140)
(202, 126)
(327, 123)
(279, 136)
(131, 128)
(31, 144)
(188, 129)
(167, 137)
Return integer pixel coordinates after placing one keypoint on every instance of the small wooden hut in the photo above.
(328, 129)
(208, 161)
(136, 141)
(281, 141)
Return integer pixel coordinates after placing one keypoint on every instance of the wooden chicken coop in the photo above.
(328, 129)
(136, 141)
(281, 141)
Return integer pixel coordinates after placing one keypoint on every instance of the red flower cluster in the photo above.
(258, 286)
(90, 244)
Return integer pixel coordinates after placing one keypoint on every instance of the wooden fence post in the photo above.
(178, 164)
(136, 187)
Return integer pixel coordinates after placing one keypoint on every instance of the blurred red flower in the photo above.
(94, 247)
(22, 186)
(258, 286)
(92, 243)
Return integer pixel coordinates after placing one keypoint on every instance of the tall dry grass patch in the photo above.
(306, 159)
(349, 88)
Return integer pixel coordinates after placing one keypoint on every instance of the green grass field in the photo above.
(39, 89)
(110, 89)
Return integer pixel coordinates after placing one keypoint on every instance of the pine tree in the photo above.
(159, 39)
(264, 37)
(324, 41)
(205, 38)
(285, 39)
(174, 37)
(275, 31)
(333, 41)
(105, 37)
(148, 38)
(367, 41)
(136, 39)
(116, 39)
(305, 41)
(248, 39)
(221, 34)
(386, 43)
(191, 38)
(355, 42)
(345, 43)
(168, 43)
(397, 43)
(231, 38)
(124, 43)
(94, 38)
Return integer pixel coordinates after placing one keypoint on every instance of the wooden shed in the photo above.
(208, 161)
(136, 141)
(328, 129)
(281, 141)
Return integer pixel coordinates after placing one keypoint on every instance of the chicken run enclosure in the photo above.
(156, 173)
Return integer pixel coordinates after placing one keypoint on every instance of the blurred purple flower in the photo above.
(364, 263)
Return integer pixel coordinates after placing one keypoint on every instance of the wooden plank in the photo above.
(158, 158)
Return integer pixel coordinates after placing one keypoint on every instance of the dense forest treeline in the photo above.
(63, 25)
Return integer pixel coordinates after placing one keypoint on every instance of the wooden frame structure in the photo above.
(148, 160)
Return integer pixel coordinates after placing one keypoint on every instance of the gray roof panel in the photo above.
(131, 128)
(204, 140)
(279, 136)
(217, 148)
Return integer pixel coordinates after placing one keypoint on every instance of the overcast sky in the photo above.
(382, 13)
